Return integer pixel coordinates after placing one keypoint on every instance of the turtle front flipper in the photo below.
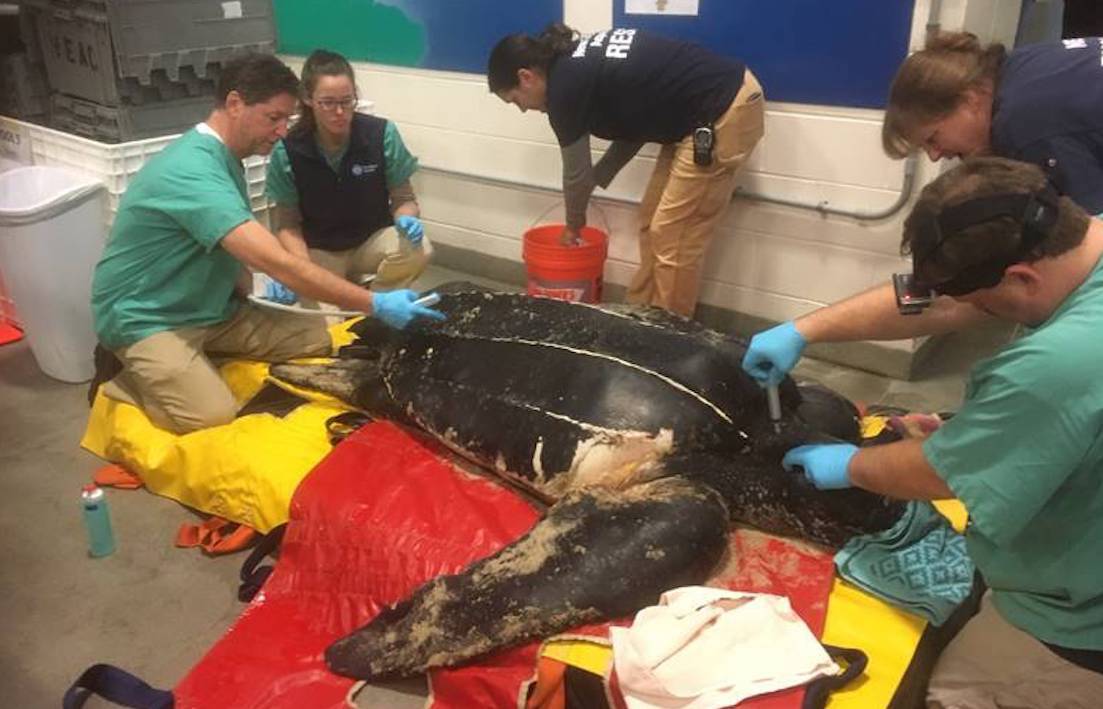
(357, 382)
(597, 554)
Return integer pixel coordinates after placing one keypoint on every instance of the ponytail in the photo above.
(561, 38)
(931, 84)
(521, 51)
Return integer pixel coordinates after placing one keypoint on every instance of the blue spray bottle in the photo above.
(93, 503)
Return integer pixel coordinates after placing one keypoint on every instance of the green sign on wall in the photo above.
(434, 34)
(362, 30)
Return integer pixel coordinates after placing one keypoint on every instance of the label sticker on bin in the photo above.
(15, 142)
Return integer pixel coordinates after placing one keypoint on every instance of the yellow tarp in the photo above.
(245, 471)
(593, 656)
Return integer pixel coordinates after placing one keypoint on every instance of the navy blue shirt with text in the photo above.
(1048, 110)
(631, 85)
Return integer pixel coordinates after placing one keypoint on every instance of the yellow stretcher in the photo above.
(245, 471)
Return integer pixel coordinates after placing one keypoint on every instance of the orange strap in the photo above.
(215, 536)
(551, 691)
(117, 476)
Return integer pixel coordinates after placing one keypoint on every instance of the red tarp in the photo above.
(381, 514)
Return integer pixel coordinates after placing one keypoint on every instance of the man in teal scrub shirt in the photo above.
(163, 294)
(1025, 452)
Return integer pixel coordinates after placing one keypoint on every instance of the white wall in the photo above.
(769, 261)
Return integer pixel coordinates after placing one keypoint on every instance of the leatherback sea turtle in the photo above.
(640, 425)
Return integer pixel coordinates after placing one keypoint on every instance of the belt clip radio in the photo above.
(704, 140)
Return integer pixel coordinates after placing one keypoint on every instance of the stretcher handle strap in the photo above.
(113, 475)
(819, 691)
(215, 536)
(116, 685)
(252, 574)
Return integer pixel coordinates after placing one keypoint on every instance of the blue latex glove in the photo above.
(397, 308)
(825, 464)
(411, 228)
(278, 292)
(773, 353)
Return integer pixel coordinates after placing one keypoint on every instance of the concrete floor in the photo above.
(154, 609)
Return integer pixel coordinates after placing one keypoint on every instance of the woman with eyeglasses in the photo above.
(1039, 103)
(341, 184)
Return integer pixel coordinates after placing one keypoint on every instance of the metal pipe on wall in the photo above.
(823, 206)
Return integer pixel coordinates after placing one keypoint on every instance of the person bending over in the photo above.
(1039, 104)
(633, 87)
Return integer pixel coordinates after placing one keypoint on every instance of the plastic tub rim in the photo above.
(85, 188)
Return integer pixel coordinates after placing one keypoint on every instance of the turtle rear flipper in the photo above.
(597, 554)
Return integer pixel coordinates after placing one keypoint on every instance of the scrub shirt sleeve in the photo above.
(400, 163)
(204, 202)
(1006, 452)
(279, 180)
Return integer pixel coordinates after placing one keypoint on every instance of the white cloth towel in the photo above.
(709, 647)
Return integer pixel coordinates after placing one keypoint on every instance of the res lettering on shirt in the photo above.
(620, 41)
(632, 85)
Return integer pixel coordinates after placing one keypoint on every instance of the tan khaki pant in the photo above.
(169, 376)
(684, 201)
(387, 254)
(991, 664)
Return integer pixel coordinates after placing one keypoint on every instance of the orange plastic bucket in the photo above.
(565, 272)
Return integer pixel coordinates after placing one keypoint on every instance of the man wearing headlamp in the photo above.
(1024, 453)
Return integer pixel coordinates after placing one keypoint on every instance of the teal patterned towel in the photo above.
(920, 565)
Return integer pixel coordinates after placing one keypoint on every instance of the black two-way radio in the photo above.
(704, 140)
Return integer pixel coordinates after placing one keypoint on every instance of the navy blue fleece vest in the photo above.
(342, 209)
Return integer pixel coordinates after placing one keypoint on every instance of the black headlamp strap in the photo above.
(1036, 212)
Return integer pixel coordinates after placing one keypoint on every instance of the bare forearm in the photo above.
(404, 201)
(291, 238)
(873, 315)
(898, 470)
(260, 250)
(290, 231)
(409, 209)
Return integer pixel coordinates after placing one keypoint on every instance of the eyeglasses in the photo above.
(332, 104)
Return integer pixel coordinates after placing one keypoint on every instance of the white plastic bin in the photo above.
(51, 235)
